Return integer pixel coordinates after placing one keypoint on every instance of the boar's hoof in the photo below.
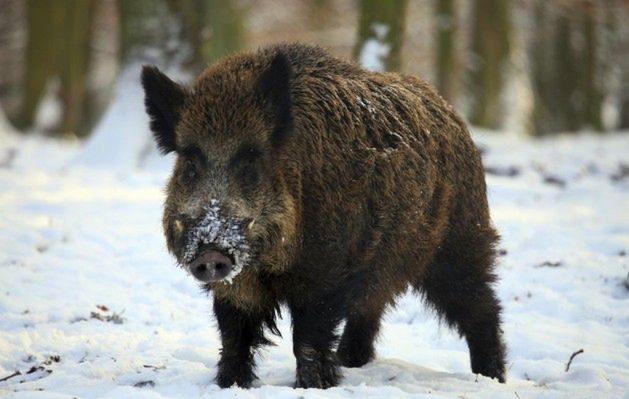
(354, 356)
(211, 265)
(321, 373)
(230, 373)
(491, 366)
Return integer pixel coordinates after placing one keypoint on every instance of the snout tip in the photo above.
(211, 265)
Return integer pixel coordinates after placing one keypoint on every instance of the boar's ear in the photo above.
(163, 99)
(274, 87)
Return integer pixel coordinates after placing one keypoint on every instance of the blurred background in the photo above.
(537, 67)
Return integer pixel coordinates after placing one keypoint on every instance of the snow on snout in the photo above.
(224, 232)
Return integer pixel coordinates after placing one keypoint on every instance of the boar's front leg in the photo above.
(314, 326)
(241, 333)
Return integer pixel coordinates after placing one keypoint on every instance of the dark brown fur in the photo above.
(366, 183)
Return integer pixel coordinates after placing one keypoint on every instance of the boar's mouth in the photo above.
(216, 248)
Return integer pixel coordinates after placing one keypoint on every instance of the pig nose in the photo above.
(210, 265)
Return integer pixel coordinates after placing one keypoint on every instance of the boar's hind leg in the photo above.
(357, 343)
(458, 285)
(241, 333)
(313, 338)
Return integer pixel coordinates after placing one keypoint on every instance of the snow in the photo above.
(122, 140)
(375, 50)
(226, 232)
(92, 303)
(49, 111)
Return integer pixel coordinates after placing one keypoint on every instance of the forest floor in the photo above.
(91, 304)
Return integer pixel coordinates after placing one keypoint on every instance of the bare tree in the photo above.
(57, 48)
(570, 57)
(445, 21)
(189, 33)
(491, 30)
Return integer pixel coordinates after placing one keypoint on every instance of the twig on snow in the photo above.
(10, 376)
(580, 351)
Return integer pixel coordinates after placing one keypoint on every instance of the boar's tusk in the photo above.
(178, 226)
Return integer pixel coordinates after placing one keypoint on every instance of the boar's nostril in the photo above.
(211, 265)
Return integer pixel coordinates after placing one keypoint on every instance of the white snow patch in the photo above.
(50, 109)
(74, 238)
(375, 50)
(224, 232)
(122, 139)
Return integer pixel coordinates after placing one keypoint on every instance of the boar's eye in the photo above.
(193, 163)
(244, 165)
(246, 155)
(190, 170)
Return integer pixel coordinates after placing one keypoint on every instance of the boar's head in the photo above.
(228, 205)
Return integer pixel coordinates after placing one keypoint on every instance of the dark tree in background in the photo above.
(377, 14)
(621, 51)
(184, 33)
(488, 66)
(572, 55)
(569, 57)
(224, 29)
(445, 22)
(57, 49)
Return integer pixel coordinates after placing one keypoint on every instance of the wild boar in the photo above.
(304, 180)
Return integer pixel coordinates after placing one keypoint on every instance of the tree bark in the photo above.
(58, 47)
(491, 30)
(567, 66)
(445, 64)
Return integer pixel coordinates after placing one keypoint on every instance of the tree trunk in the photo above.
(73, 60)
(381, 34)
(446, 26)
(58, 47)
(593, 90)
(567, 67)
(200, 30)
(225, 26)
(491, 30)
(39, 59)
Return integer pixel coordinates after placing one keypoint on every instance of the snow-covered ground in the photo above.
(91, 304)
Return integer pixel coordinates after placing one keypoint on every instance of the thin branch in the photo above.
(580, 351)
(10, 376)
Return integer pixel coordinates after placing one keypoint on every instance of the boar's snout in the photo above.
(211, 265)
